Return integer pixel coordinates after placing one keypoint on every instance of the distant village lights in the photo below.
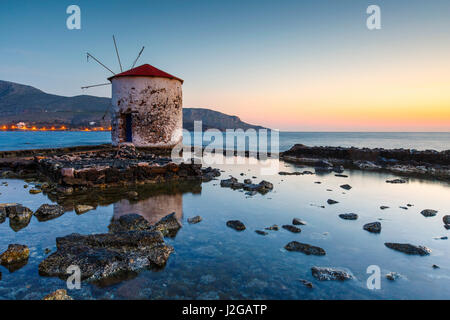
(23, 127)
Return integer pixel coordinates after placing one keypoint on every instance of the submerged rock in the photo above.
(48, 211)
(346, 186)
(331, 201)
(374, 227)
(292, 228)
(100, 256)
(305, 248)
(82, 208)
(15, 257)
(327, 274)
(194, 220)
(429, 212)
(60, 294)
(409, 248)
(298, 222)
(236, 225)
(306, 283)
(348, 216)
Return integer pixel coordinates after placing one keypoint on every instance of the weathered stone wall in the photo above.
(155, 105)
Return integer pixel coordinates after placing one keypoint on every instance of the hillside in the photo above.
(25, 103)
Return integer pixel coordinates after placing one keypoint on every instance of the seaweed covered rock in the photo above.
(48, 211)
(15, 257)
(60, 294)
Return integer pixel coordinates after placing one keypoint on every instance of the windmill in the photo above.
(88, 55)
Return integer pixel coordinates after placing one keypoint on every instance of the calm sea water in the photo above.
(212, 261)
(419, 141)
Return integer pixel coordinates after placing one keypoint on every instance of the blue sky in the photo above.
(255, 59)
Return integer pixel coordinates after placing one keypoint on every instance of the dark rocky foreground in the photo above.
(131, 244)
(78, 169)
(428, 163)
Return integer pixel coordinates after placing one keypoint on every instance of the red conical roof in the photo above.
(145, 70)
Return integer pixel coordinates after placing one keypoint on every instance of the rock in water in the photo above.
(169, 225)
(60, 294)
(298, 222)
(236, 225)
(306, 283)
(446, 219)
(48, 211)
(262, 233)
(194, 220)
(429, 212)
(384, 207)
(305, 248)
(292, 228)
(331, 201)
(82, 208)
(346, 186)
(129, 222)
(397, 181)
(35, 191)
(348, 216)
(15, 257)
(327, 274)
(274, 228)
(100, 256)
(374, 227)
(393, 276)
(409, 248)
(19, 216)
(2, 214)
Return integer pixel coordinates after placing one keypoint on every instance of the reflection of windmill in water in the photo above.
(146, 105)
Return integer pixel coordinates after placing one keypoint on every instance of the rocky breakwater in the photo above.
(428, 163)
(126, 166)
(130, 245)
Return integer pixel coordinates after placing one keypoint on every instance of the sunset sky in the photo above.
(291, 65)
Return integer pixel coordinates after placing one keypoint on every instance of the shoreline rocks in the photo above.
(409, 248)
(81, 208)
(427, 163)
(263, 187)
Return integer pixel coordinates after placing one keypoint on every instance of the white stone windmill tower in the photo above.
(146, 106)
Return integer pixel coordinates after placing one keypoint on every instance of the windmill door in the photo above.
(128, 128)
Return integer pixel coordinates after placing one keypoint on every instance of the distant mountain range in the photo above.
(24, 103)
